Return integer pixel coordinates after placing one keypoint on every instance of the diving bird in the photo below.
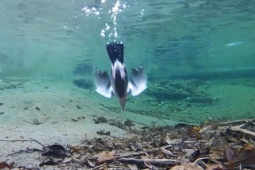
(118, 83)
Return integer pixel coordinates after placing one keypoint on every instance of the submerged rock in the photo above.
(191, 91)
(83, 68)
(168, 91)
(4, 85)
(202, 99)
(84, 83)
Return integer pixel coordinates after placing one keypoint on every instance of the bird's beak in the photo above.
(122, 102)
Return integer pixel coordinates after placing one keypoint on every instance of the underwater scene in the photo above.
(114, 84)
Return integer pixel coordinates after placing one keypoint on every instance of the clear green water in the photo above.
(176, 41)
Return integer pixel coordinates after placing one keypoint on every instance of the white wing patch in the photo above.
(138, 81)
(103, 84)
(108, 93)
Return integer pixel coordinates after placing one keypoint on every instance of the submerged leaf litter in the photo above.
(213, 146)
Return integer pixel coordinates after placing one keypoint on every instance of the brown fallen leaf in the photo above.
(229, 153)
(4, 165)
(75, 149)
(106, 156)
(214, 167)
(245, 157)
(187, 166)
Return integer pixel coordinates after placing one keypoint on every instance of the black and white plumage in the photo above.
(118, 83)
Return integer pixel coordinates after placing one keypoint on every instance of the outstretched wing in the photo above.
(103, 84)
(138, 81)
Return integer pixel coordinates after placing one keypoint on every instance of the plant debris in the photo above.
(213, 146)
(4, 165)
(100, 120)
(103, 132)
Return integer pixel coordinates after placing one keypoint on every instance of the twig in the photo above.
(237, 122)
(28, 150)
(201, 159)
(129, 154)
(167, 152)
(22, 140)
(37, 142)
(244, 131)
(156, 162)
